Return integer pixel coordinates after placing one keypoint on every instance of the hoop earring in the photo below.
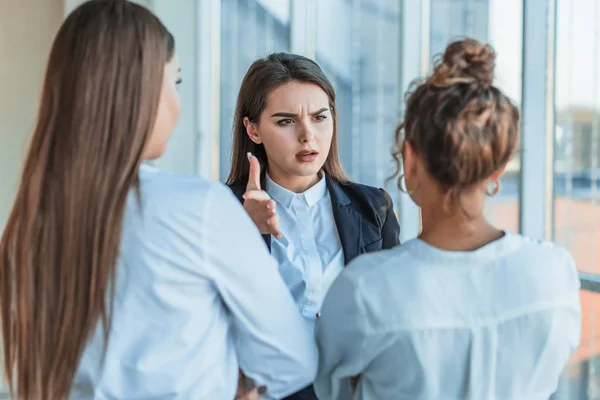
(399, 183)
(493, 189)
(404, 189)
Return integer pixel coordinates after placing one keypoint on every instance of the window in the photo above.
(359, 50)
(485, 20)
(371, 50)
(250, 29)
(576, 174)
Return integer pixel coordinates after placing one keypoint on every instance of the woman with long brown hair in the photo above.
(312, 217)
(466, 310)
(116, 280)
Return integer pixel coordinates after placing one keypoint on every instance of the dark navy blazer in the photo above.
(365, 221)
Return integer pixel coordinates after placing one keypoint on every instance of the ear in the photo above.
(498, 173)
(252, 131)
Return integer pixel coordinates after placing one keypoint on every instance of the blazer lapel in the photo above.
(347, 220)
(267, 239)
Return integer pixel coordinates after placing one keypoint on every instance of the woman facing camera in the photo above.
(466, 310)
(287, 173)
(118, 281)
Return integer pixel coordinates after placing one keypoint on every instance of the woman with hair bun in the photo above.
(466, 310)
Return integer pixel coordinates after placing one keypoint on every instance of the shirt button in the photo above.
(318, 315)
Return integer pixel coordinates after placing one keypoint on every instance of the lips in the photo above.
(307, 155)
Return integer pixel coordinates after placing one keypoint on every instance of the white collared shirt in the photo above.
(310, 253)
(420, 323)
(197, 296)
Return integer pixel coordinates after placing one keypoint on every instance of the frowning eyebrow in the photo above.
(291, 115)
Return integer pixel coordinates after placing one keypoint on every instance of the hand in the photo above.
(251, 395)
(247, 390)
(258, 204)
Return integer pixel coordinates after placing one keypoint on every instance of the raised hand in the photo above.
(258, 204)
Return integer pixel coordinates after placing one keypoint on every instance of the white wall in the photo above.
(24, 53)
(27, 28)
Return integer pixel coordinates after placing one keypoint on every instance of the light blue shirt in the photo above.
(310, 253)
(419, 323)
(197, 297)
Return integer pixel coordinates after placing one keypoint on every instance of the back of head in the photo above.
(60, 245)
(462, 127)
(264, 76)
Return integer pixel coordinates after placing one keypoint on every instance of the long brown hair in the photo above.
(461, 125)
(61, 243)
(264, 76)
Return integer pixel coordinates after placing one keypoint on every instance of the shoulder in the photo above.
(373, 204)
(527, 246)
(363, 191)
(364, 194)
(369, 278)
(376, 266)
(238, 190)
(163, 192)
(191, 219)
(554, 259)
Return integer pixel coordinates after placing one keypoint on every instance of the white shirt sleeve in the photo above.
(345, 348)
(273, 346)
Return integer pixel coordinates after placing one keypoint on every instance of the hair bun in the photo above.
(465, 61)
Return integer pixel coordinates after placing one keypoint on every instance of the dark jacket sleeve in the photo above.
(390, 232)
(238, 190)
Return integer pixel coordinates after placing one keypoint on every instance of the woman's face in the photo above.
(169, 109)
(296, 128)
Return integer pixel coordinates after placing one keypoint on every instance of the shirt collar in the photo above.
(147, 167)
(286, 197)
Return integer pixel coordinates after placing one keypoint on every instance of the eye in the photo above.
(178, 82)
(320, 117)
(284, 122)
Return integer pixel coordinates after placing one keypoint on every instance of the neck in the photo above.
(294, 183)
(455, 231)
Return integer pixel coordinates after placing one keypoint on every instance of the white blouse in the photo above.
(419, 323)
(310, 253)
(197, 296)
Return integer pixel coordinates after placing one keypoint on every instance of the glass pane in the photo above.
(576, 215)
(358, 47)
(581, 379)
(181, 21)
(250, 29)
(485, 20)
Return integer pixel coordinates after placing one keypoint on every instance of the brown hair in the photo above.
(61, 243)
(461, 125)
(264, 76)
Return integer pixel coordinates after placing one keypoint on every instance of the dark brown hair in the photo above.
(59, 248)
(461, 125)
(264, 76)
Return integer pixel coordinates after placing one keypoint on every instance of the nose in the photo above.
(306, 134)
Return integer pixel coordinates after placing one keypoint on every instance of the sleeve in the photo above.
(274, 348)
(345, 344)
(391, 228)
